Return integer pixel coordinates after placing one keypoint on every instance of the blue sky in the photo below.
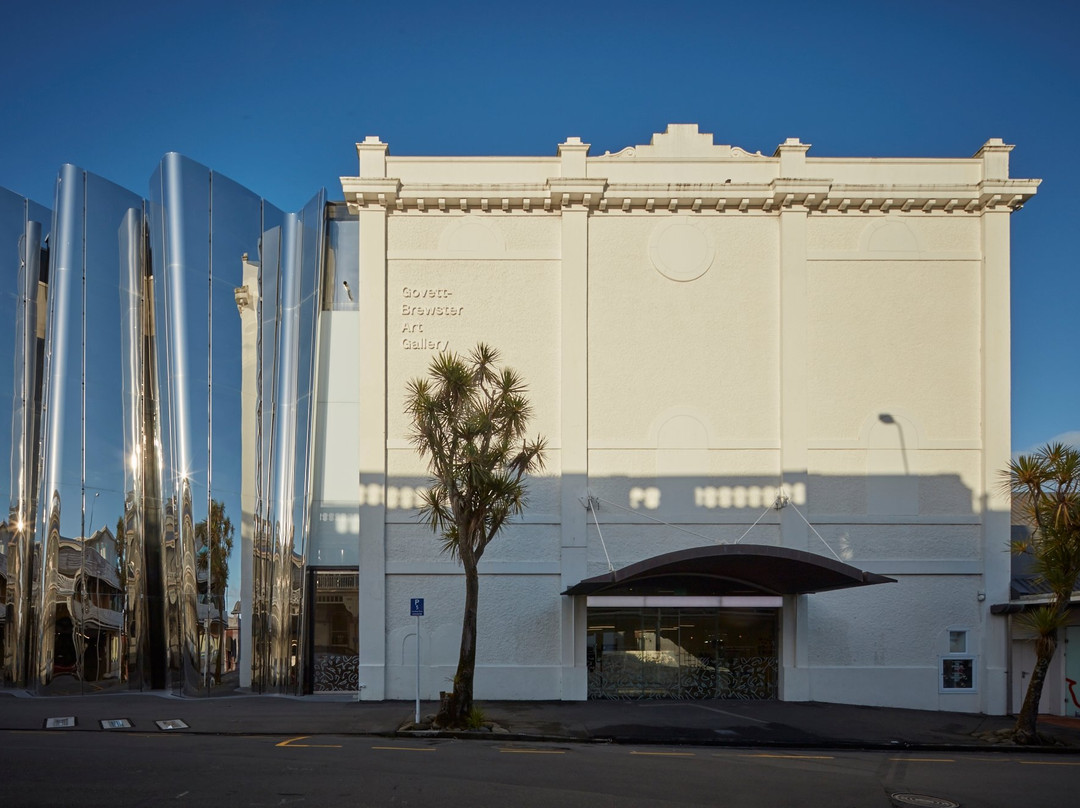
(275, 95)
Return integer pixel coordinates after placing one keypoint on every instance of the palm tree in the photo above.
(468, 420)
(1047, 484)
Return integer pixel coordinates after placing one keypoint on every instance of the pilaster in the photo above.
(996, 441)
(794, 652)
(792, 154)
(367, 194)
(995, 156)
(572, 158)
(574, 423)
(794, 459)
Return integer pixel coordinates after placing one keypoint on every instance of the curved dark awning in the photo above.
(729, 569)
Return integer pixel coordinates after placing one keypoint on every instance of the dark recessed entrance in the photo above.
(334, 631)
(702, 623)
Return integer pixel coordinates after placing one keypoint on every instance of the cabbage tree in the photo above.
(468, 420)
(1047, 485)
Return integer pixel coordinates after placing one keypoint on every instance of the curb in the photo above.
(526, 737)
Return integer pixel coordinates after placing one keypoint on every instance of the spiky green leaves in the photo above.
(468, 419)
(1047, 485)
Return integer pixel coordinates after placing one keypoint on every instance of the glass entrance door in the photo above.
(335, 631)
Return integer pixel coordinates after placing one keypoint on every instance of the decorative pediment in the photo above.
(683, 141)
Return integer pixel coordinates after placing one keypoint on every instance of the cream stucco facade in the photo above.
(704, 330)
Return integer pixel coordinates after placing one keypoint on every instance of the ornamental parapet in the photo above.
(683, 170)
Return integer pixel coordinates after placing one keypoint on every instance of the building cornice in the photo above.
(816, 196)
(364, 192)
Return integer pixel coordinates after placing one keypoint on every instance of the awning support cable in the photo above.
(744, 535)
(780, 503)
(590, 503)
(831, 550)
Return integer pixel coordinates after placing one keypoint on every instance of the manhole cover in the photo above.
(923, 801)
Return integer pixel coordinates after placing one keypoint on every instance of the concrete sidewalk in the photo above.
(729, 723)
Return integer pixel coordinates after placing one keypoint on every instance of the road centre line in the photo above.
(290, 742)
(663, 754)
(1049, 762)
(923, 760)
(405, 748)
(533, 751)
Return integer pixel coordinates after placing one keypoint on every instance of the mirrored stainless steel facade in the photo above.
(162, 367)
(24, 227)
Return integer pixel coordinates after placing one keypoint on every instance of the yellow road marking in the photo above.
(406, 748)
(534, 751)
(291, 743)
(795, 757)
(925, 760)
(664, 754)
(1049, 762)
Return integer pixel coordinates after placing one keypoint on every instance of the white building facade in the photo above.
(725, 350)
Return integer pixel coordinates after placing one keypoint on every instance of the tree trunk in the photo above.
(223, 623)
(455, 711)
(1026, 720)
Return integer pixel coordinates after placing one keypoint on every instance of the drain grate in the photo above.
(62, 722)
(922, 801)
(116, 723)
(172, 723)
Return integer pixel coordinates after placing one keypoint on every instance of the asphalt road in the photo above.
(125, 768)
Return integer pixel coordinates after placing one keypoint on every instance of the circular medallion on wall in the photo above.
(680, 249)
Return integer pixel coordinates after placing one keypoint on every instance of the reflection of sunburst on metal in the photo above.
(922, 801)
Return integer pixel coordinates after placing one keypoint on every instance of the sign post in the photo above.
(416, 609)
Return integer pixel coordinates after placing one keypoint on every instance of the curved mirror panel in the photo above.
(81, 640)
(24, 226)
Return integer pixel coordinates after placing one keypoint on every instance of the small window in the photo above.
(958, 674)
(957, 642)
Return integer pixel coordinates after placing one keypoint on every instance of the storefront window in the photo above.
(682, 653)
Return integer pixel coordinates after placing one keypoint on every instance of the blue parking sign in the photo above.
(416, 607)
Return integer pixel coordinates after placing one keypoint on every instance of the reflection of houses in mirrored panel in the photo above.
(79, 640)
(24, 227)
